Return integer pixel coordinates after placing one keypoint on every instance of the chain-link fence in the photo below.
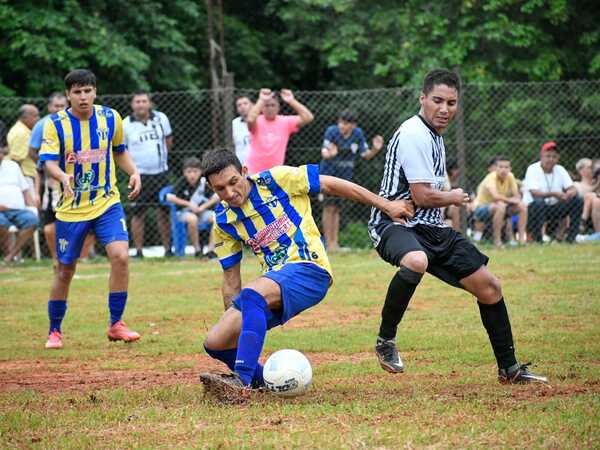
(512, 119)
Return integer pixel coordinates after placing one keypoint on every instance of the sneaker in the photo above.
(520, 375)
(211, 254)
(54, 340)
(120, 332)
(388, 356)
(198, 254)
(227, 388)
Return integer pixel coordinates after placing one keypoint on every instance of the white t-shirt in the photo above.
(147, 142)
(241, 138)
(12, 185)
(536, 179)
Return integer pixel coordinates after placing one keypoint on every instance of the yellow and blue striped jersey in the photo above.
(275, 221)
(84, 149)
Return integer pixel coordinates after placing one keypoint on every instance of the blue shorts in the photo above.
(303, 285)
(483, 213)
(109, 227)
(20, 218)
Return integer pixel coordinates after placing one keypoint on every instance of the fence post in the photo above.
(228, 86)
(461, 158)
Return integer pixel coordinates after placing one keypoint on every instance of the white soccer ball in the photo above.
(287, 373)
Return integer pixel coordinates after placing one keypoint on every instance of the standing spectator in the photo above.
(193, 207)
(270, 131)
(498, 198)
(341, 145)
(49, 191)
(586, 189)
(551, 196)
(149, 138)
(18, 147)
(239, 128)
(14, 197)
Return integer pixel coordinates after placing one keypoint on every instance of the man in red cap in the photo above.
(551, 195)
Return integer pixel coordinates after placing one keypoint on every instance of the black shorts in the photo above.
(48, 217)
(450, 256)
(148, 198)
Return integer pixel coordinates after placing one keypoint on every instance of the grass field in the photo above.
(94, 394)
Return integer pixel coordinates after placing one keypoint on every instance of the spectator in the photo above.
(341, 144)
(49, 192)
(586, 189)
(498, 198)
(452, 213)
(193, 207)
(149, 138)
(14, 197)
(491, 167)
(551, 196)
(18, 147)
(270, 131)
(239, 128)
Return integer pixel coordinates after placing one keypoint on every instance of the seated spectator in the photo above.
(18, 147)
(270, 131)
(586, 189)
(551, 196)
(452, 213)
(239, 128)
(14, 197)
(498, 199)
(342, 143)
(193, 207)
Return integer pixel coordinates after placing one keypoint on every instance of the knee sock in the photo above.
(252, 336)
(56, 313)
(401, 289)
(116, 305)
(496, 322)
(228, 357)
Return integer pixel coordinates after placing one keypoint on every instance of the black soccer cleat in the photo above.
(520, 375)
(227, 388)
(388, 356)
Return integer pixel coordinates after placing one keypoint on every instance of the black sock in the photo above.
(496, 322)
(401, 289)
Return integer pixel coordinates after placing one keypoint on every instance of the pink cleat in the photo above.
(120, 332)
(54, 340)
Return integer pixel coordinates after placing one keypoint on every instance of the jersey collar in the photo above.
(427, 125)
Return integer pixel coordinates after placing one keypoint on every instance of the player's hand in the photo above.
(265, 94)
(377, 143)
(135, 184)
(400, 210)
(67, 185)
(287, 95)
(459, 197)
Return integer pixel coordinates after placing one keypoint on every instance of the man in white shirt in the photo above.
(239, 128)
(14, 197)
(551, 195)
(149, 139)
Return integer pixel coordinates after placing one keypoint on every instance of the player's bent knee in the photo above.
(492, 293)
(65, 272)
(415, 261)
(119, 259)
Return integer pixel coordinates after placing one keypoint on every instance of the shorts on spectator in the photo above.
(205, 217)
(148, 198)
(20, 218)
(483, 213)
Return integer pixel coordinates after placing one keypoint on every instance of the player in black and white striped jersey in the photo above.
(415, 170)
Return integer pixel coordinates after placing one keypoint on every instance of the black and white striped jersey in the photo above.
(415, 154)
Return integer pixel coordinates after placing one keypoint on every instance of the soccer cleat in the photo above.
(388, 356)
(521, 375)
(54, 340)
(120, 332)
(228, 388)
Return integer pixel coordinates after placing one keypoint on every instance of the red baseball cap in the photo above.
(550, 145)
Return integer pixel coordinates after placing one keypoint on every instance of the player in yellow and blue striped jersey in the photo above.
(81, 147)
(269, 212)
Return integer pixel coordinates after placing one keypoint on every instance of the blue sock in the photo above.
(116, 305)
(252, 337)
(228, 357)
(56, 312)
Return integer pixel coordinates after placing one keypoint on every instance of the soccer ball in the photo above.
(287, 373)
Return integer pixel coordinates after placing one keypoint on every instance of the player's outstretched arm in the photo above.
(232, 284)
(426, 197)
(54, 170)
(125, 162)
(397, 210)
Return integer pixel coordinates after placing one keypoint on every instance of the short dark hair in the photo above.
(243, 96)
(441, 76)
(214, 161)
(141, 92)
(192, 163)
(347, 115)
(55, 95)
(80, 77)
(493, 160)
(501, 158)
